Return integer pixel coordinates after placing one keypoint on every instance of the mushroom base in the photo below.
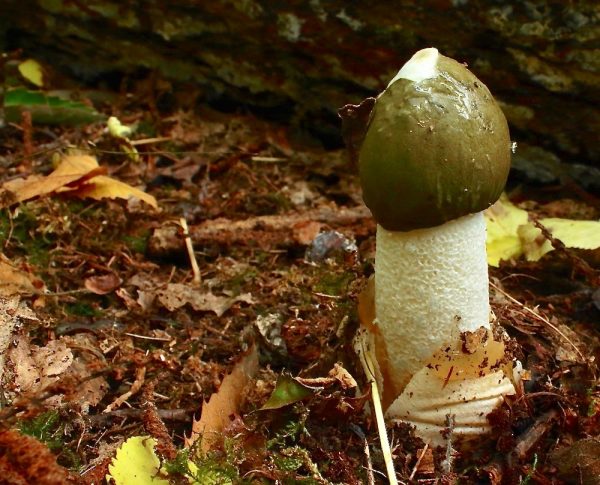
(429, 329)
(428, 402)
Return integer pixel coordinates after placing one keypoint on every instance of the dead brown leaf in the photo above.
(12, 311)
(88, 358)
(579, 462)
(223, 403)
(14, 281)
(343, 376)
(176, 295)
(102, 285)
(305, 231)
(34, 368)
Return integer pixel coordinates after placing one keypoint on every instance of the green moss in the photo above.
(335, 284)
(147, 129)
(237, 283)
(280, 201)
(138, 243)
(292, 428)
(46, 428)
(213, 469)
(23, 232)
(82, 309)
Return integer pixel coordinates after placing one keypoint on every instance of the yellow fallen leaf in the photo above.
(503, 219)
(223, 403)
(32, 71)
(71, 169)
(573, 234)
(103, 187)
(534, 244)
(510, 234)
(136, 463)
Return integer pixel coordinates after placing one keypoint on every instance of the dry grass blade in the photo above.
(367, 363)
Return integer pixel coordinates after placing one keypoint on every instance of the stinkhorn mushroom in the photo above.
(436, 153)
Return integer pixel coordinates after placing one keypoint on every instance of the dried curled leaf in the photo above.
(176, 295)
(223, 403)
(71, 169)
(78, 175)
(103, 187)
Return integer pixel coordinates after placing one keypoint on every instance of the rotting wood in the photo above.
(272, 229)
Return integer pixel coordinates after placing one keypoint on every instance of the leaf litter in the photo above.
(100, 316)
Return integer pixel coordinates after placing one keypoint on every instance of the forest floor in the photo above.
(115, 338)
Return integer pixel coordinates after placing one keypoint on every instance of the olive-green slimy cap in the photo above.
(437, 146)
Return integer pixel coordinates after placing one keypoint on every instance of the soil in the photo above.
(284, 247)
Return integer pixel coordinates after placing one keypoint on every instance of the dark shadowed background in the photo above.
(299, 61)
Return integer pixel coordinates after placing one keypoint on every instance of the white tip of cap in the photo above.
(422, 65)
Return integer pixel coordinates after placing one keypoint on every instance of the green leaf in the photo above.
(287, 391)
(47, 109)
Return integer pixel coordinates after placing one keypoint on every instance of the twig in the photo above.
(578, 263)
(190, 250)
(419, 458)
(529, 438)
(146, 337)
(140, 375)
(148, 141)
(184, 415)
(539, 317)
(27, 140)
(268, 159)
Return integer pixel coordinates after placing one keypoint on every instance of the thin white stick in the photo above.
(190, 251)
(147, 141)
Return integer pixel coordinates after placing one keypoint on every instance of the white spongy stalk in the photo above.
(428, 400)
(422, 65)
(430, 285)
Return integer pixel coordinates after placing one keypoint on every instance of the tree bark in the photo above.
(302, 60)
